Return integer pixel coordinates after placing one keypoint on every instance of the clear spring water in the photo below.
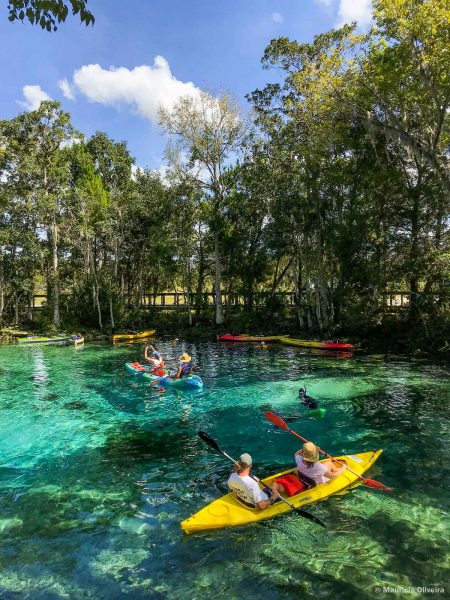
(98, 468)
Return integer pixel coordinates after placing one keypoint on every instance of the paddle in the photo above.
(278, 421)
(215, 446)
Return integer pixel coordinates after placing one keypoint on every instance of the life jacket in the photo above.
(291, 484)
(160, 371)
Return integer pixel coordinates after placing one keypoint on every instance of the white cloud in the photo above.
(277, 17)
(33, 95)
(349, 11)
(144, 88)
(66, 89)
(355, 10)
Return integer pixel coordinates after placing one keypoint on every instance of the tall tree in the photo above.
(34, 166)
(206, 134)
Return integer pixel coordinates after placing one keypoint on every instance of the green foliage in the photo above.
(339, 193)
(48, 14)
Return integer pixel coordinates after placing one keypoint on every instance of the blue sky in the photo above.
(112, 82)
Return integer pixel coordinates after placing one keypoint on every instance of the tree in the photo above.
(206, 133)
(34, 167)
(48, 13)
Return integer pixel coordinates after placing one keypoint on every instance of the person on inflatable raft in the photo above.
(185, 367)
(155, 360)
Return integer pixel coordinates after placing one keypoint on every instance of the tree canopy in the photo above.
(337, 192)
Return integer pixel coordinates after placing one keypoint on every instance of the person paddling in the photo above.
(155, 360)
(246, 488)
(307, 400)
(185, 367)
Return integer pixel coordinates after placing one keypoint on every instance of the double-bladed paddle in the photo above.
(278, 421)
(215, 446)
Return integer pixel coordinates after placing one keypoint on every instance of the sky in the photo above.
(143, 53)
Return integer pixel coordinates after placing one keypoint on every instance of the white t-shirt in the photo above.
(316, 472)
(246, 488)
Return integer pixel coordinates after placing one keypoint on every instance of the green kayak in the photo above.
(42, 340)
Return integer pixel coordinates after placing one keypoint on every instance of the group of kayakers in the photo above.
(153, 356)
(309, 472)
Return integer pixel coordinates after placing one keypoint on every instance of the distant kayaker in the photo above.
(307, 400)
(155, 360)
(185, 367)
(307, 460)
(246, 488)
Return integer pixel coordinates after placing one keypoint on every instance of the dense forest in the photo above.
(333, 184)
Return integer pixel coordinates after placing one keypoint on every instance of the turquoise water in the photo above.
(98, 468)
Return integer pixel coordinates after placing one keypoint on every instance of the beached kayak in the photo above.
(194, 382)
(322, 345)
(119, 337)
(227, 337)
(228, 511)
(42, 340)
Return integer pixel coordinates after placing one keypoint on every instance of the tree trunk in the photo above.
(111, 311)
(218, 281)
(55, 273)
(16, 309)
(200, 281)
(30, 306)
(2, 288)
(413, 256)
(298, 295)
(97, 303)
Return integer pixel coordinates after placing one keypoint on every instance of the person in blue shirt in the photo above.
(185, 367)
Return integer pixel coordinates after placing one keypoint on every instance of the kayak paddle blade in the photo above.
(308, 515)
(377, 485)
(276, 420)
(208, 440)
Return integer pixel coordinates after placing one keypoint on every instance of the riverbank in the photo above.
(391, 336)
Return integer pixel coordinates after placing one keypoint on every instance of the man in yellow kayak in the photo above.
(246, 488)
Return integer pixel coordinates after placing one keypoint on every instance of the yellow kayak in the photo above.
(133, 336)
(228, 511)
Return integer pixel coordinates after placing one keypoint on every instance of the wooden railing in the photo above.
(392, 300)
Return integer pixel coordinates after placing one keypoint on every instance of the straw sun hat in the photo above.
(185, 357)
(310, 452)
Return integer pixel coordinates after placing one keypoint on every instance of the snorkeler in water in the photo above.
(309, 402)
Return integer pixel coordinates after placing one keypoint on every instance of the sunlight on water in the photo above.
(98, 467)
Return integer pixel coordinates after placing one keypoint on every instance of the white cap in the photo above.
(245, 460)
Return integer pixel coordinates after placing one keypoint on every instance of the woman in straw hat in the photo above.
(308, 464)
(185, 366)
